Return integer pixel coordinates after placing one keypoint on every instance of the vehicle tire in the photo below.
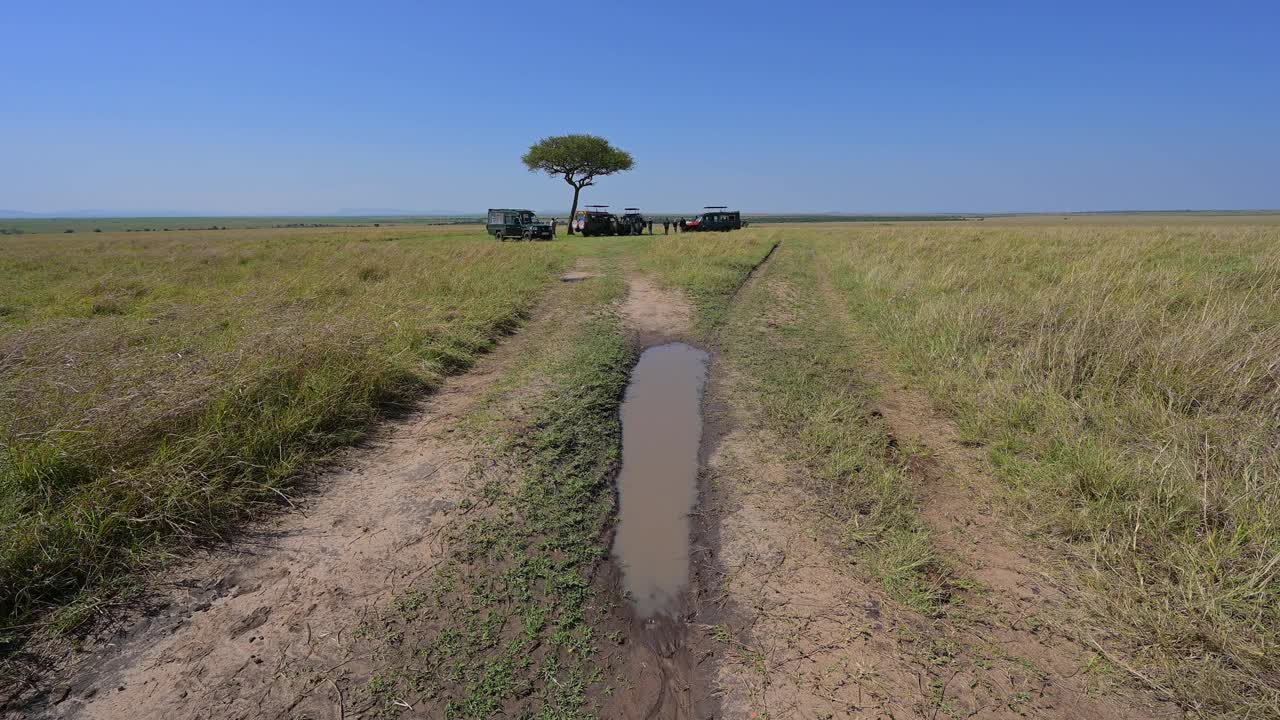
(498, 236)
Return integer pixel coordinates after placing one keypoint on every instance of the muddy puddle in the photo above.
(657, 487)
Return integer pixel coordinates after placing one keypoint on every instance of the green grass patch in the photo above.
(505, 627)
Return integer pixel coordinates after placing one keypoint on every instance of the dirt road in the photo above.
(774, 622)
(265, 626)
(805, 634)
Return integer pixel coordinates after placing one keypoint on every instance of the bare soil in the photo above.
(266, 634)
(800, 636)
(654, 314)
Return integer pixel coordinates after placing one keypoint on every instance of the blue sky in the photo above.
(313, 107)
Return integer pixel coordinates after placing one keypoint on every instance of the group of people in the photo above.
(669, 224)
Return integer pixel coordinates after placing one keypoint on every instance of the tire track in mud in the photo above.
(655, 674)
(664, 663)
(783, 631)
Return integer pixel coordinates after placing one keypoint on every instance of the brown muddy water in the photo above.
(658, 484)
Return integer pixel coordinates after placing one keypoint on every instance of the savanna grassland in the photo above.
(1117, 379)
(155, 387)
(160, 388)
(1122, 380)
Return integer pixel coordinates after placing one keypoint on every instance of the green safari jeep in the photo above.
(508, 224)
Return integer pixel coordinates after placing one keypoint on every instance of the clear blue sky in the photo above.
(767, 106)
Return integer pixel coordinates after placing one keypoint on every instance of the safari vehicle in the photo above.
(631, 222)
(595, 221)
(715, 219)
(508, 224)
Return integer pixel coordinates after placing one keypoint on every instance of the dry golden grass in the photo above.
(1126, 380)
(155, 387)
(1124, 377)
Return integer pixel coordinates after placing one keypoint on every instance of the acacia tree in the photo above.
(579, 159)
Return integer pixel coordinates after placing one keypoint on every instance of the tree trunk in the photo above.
(574, 211)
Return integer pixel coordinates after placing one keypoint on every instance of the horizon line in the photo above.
(123, 215)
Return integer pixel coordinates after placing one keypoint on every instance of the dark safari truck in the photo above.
(631, 222)
(596, 220)
(508, 224)
(715, 219)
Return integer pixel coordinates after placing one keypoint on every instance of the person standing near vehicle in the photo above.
(683, 227)
(666, 226)
(553, 227)
(650, 227)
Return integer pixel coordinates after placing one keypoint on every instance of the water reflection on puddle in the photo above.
(657, 487)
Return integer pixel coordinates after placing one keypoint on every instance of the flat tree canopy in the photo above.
(579, 159)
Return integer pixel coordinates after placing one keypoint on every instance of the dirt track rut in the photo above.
(661, 682)
(775, 624)
(265, 627)
(806, 635)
